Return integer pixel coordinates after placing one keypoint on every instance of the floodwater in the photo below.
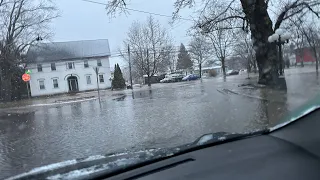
(164, 116)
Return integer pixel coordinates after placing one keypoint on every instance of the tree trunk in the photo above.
(261, 28)
(148, 68)
(223, 66)
(316, 57)
(6, 87)
(149, 82)
(6, 76)
(200, 70)
(255, 66)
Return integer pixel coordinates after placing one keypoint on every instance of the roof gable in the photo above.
(63, 51)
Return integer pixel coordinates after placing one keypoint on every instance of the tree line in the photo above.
(219, 21)
(22, 23)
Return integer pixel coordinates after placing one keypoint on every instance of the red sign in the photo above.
(26, 77)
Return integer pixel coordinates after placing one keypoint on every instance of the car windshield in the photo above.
(93, 77)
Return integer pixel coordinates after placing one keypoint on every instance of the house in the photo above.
(205, 70)
(63, 67)
(305, 55)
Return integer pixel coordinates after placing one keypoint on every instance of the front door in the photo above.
(73, 84)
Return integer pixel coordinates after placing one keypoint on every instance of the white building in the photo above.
(205, 70)
(68, 67)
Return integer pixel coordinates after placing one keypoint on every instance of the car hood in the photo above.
(110, 164)
(86, 168)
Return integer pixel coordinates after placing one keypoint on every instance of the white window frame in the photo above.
(57, 83)
(88, 75)
(72, 65)
(99, 62)
(102, 78)
(44, 84)
(86, 62)
(55, 67)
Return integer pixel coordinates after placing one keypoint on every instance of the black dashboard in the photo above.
(292, 152)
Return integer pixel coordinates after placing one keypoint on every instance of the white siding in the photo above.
(62, 73)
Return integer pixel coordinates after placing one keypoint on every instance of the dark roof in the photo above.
(60, 51)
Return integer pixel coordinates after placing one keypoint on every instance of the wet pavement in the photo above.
(164, 116)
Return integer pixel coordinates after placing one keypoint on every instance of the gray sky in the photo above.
(84, 21)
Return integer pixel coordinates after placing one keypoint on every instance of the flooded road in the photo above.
(166, 115)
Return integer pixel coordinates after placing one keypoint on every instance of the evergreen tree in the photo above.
(184, 60)
(118, 81)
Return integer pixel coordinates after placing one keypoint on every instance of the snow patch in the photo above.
(44, 169)
(222, 138)
(205, 139)
(93, 169)
(118, 154)
(92, 158)
(53, 166)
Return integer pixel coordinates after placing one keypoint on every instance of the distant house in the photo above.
(205, 70)
(153, 79)
(62, 67)
(305, 55)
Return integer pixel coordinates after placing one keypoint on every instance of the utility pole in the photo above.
(130, 66)
(148, 68)
(96, 69)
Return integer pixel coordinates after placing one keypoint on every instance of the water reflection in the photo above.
(274, 105)
(13, 150)
(142, 94)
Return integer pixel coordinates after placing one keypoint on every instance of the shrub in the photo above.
(212, 73)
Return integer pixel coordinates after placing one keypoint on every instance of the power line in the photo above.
(140, 11)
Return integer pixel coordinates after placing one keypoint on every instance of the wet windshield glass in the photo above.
(93, 77)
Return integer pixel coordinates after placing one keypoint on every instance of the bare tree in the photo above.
(200, 50)
(244, 49)
(307, 34)
(312, 36)
(254, 16)
(22, 22)
(221, 40)
(299, 42)
(250, 15)
(151, 47)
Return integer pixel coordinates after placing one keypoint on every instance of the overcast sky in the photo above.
(86, 21)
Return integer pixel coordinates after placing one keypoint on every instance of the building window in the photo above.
(101, 79)
(53, 67)
(39, 66)
(41, 84)
(70, 65)
(55, 83)
(99, 62)
(86, 64)
(88, 79)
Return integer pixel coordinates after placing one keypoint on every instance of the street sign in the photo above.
(26, 77)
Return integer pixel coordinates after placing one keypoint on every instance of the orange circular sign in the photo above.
(26, 77)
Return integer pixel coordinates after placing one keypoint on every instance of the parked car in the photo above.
(242, 71)
(232, 72)
(166, 80)
(128, 85)
(172, 78)
(190, 77)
